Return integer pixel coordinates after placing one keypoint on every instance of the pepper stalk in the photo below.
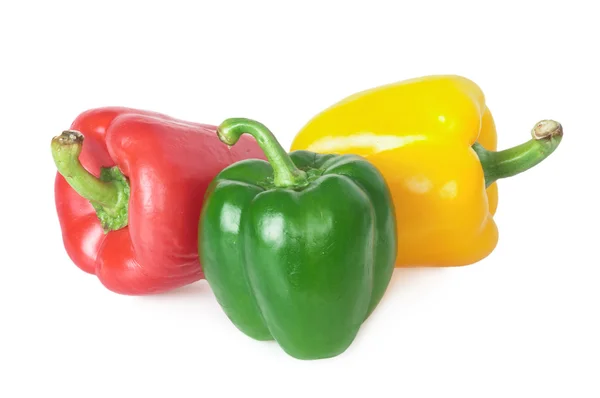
(285, 172)
(546, 136)
(109, 194)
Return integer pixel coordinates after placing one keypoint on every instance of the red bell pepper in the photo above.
(129, 198)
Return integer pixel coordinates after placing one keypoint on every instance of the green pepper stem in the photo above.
(65, 151)
(546, 136)
(109, 194)
(285, 172)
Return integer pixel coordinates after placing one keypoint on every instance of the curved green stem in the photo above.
(285, 172)
(109, 194)
(65, 151)
(547, 135)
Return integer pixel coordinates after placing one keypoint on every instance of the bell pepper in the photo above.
(128, 198)
(434, 140)
(299, 249)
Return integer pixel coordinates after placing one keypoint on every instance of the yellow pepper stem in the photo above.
(546, 136)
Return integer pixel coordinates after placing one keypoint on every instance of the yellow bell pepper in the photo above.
(434, 140)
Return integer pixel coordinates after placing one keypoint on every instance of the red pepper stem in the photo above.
(285, 172)
(546, 136)
(109, 194)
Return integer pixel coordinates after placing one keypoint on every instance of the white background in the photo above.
(521, 323)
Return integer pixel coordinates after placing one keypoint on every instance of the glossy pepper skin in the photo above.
(433, 138)
(299, 249)
(136, 231)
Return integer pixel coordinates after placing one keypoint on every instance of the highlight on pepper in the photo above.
(299, 248)
(434, 140)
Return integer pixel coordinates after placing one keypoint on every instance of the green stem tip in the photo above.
(285, 172)
(546, 136)
(109, 194)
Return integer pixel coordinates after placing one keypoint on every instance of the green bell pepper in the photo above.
(299, 249)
